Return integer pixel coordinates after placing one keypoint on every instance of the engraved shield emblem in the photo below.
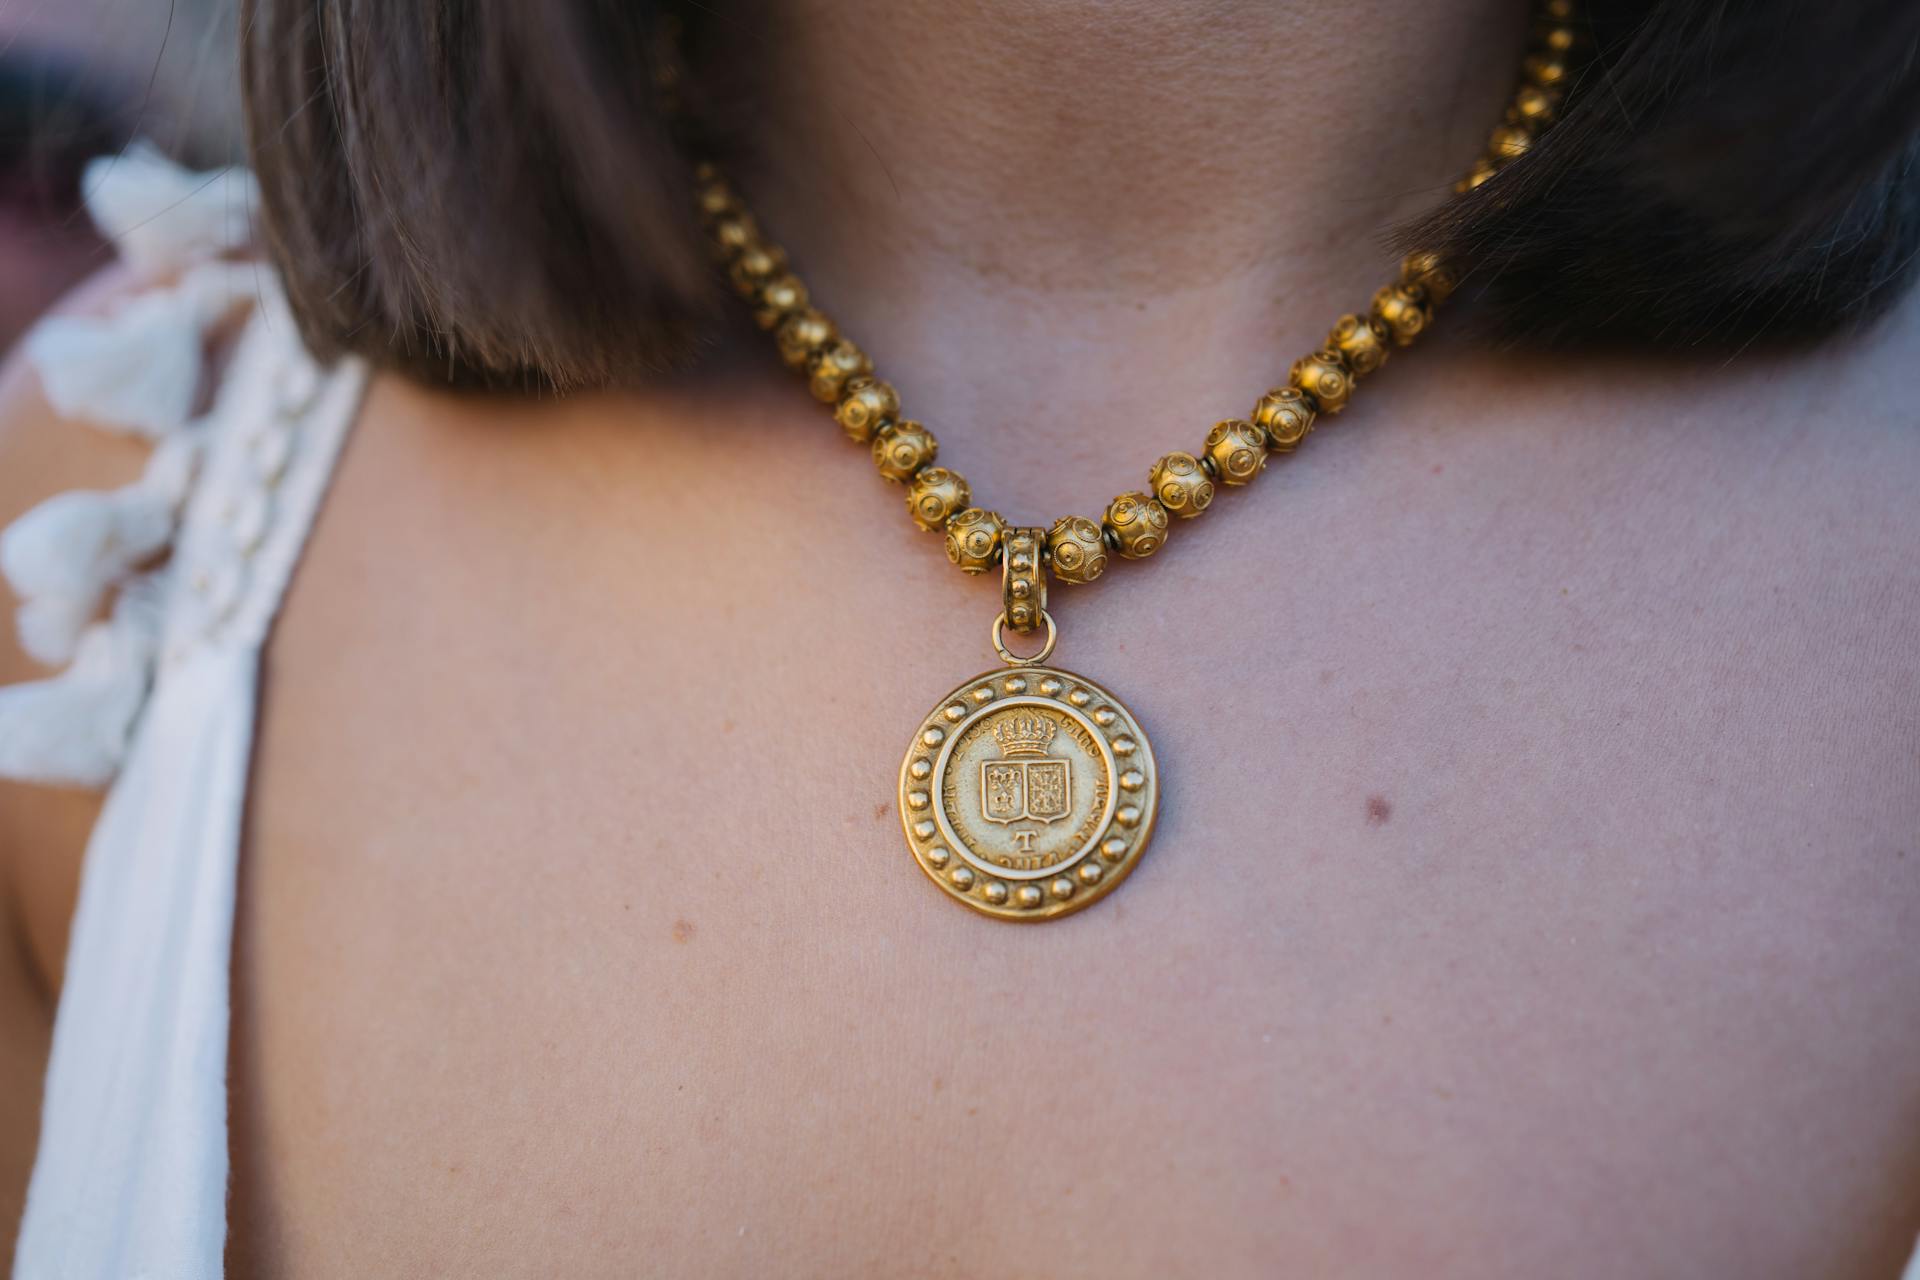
(1003, 791)
(1049, 790)
(1035, 790)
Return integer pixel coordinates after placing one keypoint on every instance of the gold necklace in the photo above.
(1030, 792)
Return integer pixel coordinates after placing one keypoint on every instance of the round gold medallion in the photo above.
(1028, 793)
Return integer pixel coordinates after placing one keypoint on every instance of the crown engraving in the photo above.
(1024, 734)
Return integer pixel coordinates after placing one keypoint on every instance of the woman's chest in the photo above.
(1519, 895)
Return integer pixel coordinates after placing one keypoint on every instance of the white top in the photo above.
(159, 700)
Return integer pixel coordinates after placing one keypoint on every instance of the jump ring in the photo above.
(1013, 660)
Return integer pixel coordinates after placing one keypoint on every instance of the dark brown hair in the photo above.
(486, 192)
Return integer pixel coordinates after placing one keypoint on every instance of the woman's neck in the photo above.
(1090, 206)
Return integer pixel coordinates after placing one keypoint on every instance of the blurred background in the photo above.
(81, 78)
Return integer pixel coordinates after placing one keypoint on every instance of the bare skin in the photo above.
(1538, 871)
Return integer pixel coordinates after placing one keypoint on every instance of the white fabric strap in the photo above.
(160, 700)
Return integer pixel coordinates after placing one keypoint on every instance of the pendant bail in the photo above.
(1023, 579)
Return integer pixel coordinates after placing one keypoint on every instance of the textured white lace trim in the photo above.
(210, 506)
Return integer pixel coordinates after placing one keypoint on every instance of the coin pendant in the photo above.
(1028, 793)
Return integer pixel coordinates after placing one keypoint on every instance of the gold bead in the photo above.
(1547, 70)
(734, 232)
(1534, 107)
(801, 335)
(1556, 37)
(1237, 449)
(754, 266)
(1558, 10)
(713, 197)
(666, 84)
(1076, 550)
(1482, 170)
(973, 539)
(1508, 143)
(1323, 377)
(1182, 484)
(902, 449)
(1402, 311)
(1425, 269)
(935, 495)
(1136, 525)
(779, 298)
(1361, 343)
(1286, 415)
(830, 370)
(866, 405)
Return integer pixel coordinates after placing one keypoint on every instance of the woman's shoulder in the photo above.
(1877, 368)
(1838, 425)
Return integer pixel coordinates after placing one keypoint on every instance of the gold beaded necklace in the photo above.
(1030, 792)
